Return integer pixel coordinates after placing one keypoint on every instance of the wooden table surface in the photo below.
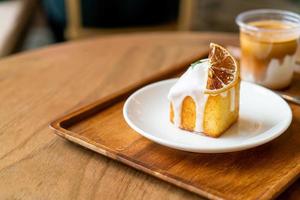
(37, 87)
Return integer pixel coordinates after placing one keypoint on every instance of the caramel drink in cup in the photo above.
(268, 40)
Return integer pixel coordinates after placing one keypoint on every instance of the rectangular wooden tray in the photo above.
(259, 173)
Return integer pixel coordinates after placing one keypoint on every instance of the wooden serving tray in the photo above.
(259, 173)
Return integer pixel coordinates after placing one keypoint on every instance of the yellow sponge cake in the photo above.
(206, 97)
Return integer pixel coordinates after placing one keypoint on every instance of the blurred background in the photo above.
(30, 24)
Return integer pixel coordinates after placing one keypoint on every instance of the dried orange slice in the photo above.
(223, 72)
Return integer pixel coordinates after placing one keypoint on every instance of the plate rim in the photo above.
(239, 147)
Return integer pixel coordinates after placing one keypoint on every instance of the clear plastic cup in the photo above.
(268, 40)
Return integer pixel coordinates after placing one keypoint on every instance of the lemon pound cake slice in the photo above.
(206, 97)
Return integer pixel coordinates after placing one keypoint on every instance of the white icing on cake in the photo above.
(232, 99)
(192, 83)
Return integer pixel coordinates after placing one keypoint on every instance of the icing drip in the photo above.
(192, 83)
(177, 108)
(200, 107)
(232, 99)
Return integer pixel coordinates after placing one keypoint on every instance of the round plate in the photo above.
(263, 116)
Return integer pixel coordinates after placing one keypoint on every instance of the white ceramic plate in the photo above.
(263, 116)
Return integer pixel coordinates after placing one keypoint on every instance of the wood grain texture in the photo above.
(259, 173)
(37, 87)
